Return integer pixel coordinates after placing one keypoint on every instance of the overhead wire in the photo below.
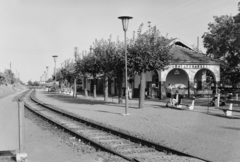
(191, 16)
(199, 21)
(179, 9)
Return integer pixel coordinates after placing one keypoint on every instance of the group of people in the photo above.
(223, 98)
(174, 99)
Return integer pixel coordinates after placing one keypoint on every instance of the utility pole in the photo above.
(47, 73)
(10, 67)
(149, 26)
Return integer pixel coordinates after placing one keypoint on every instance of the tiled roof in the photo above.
(184, 55)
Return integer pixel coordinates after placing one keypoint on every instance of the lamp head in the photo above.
(125, 20)
(55, 57)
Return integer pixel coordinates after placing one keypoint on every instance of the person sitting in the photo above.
(169, 94)
(176, 99)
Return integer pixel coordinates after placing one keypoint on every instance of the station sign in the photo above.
(195, 66)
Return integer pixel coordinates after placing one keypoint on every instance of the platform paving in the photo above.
(203, 132)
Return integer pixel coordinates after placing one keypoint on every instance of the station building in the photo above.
(188, 69)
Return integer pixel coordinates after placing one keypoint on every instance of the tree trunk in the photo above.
(85, 86)
(75, 87)
(142, 90)
(105, 88)
(94, 87)
(120, 81)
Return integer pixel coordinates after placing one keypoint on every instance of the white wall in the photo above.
(192, 71)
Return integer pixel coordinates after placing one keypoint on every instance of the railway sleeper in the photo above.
(136, 150)
(106, 138)
(118, 146)
(96, 134)
(102, 136)
(110, 140)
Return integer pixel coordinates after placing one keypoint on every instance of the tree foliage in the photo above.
(149, 51)
(222, 43)
(9, 76)
(35, 83)
(2, 78)
(65, 75)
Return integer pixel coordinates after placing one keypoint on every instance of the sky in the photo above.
(32, 31)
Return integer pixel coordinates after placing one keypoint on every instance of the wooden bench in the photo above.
(189, 106)
(228, 111)
(181, 103)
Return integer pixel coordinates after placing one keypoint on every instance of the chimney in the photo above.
(197, 44)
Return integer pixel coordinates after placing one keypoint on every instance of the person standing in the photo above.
(169, 93)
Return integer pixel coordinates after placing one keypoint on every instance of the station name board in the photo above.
(189, 66)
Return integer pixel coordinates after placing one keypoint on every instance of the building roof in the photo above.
(178, 41)
(183, 55)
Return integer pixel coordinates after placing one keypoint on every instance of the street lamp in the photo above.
(47, 73)
(75, 79)
(125, 20)
(55, 60)
(44, 77)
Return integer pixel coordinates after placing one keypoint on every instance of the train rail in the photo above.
(116, 142)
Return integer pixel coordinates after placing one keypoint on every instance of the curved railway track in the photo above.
(128, 147)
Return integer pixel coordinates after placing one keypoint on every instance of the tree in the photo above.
(102, 51)
(111, 63)
(9, 76)
(66, 73)
(118, 65)
(35, 83)
(222, 43)
(2, 78)
(30, 83)
(91, 66)
(148, 52)
(80, 71)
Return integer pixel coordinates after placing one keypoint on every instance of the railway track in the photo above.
(128, 147)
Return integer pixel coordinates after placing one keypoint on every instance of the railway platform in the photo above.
(201, 132)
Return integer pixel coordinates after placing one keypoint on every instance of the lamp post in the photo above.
(44, 77)
(75, 79)
(125, 20)
(47, 73)
(55, 60)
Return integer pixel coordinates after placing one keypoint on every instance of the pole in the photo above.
(55, 78)
(149, 26)
(75, 79)
(197, 44)
(208, 98)
(20, 124)
(47, 73)
(126, 84)
(75, 88)
(44, 77)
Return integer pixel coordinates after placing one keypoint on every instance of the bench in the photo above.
(189, 106)
(181, 103)
(228, 111)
